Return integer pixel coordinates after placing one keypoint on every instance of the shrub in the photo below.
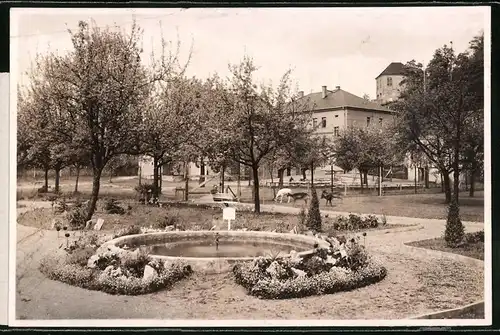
(130, 230)
(77, 216)
(167, 220)
(314, 216)
(59, 206)
(475, 237)
(135, 263)
(80, 256)
(145, 192)
(106, 281)
(454, 231)
(111, 206)
(327, 282)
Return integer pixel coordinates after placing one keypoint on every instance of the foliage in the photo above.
(352, 222)
(145, 192)
(324, 272)
(166, 221)
(77, 216)
(112, 207)
(314, 216)
(454, 231)
(475, 237)
(247, 124)
(130, 230)
(440, 108)
(108, 281)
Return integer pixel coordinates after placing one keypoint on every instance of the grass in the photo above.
(187, 217)
(429, 205)
(473, 250)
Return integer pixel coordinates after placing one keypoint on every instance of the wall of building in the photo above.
(334, 118)
(384, 92)
(358, 118)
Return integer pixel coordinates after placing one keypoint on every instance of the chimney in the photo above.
(301, 94)
(323, 91)
(337, 88)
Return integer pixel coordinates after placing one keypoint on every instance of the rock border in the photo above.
(209, 265)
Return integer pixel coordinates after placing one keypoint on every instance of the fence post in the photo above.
(345, 190)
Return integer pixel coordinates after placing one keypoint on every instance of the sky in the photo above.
(346, 47)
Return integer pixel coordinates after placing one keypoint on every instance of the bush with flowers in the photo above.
(112, 270)
(341, 267)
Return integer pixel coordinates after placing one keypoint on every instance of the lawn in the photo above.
(469, 249)
(186, 217)
(423, 205)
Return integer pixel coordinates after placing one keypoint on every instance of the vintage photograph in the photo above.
(250, 166)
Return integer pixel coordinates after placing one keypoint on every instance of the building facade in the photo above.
(389, 85)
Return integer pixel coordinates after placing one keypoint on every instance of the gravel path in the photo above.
(418, 281)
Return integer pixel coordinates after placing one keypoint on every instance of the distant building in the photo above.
(389, 83)
(337, 109)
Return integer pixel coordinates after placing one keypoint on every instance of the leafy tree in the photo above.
(100, 87)
(257, 121)
(435, 114)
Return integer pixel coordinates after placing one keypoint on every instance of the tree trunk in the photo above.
(160, 179)
(380, 181)
(96, 184)
(46, 176)
(186, 182)
(416, 179)
(280, 178)
(456, 181)
(447, 187)
(304, 177)
(222, 173)
(472, 179)
(365, 174)
(110, 176)
(312, 174)
(256, 197)
(77, 177)
(361, 179)
(442, 182)
(202, 173)
(57, 181)
(155, 177)
(426, 177)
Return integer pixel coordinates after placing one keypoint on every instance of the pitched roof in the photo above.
(395, 68)
(340, 98)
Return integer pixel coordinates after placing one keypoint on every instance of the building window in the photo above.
(389, 81)
(336, 115)
(336, 132)
(367, 121)
(315, 123)
(323, 122)
(380, 121)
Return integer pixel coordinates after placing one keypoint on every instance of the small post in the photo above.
(228, 224)
(345, 190)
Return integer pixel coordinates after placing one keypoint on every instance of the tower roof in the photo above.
(395, 68)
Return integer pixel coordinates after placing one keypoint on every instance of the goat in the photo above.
(298, 196)
(329, 196)
(283, 193)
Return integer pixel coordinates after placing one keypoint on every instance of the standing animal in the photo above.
(329, 196)
(283, 193)
(298, 196)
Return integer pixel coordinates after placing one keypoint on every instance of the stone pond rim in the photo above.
(212, 265)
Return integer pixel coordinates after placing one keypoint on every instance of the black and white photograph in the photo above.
(250, 166)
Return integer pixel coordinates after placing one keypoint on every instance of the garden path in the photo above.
(419, 281)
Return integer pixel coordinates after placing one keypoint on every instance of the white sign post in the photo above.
(229, 213)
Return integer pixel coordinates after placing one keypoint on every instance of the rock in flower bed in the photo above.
(115, 271)
(341, 267)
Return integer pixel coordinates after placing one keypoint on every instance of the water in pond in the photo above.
(225, 249)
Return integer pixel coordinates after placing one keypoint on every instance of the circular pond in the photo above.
(217, 251)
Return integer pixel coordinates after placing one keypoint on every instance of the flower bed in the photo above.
(341, 267)
(114, 271)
